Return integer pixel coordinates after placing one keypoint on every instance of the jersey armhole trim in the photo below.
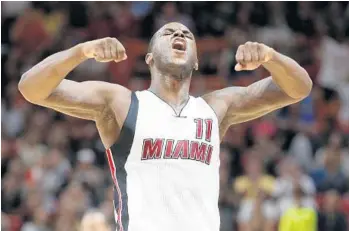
(133, 97)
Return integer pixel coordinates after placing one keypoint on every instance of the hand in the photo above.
(104, 50)
(251, 55)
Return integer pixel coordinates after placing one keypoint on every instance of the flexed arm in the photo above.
(44, 84)
(289, 83)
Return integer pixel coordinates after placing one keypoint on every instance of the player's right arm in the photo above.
(44, 84)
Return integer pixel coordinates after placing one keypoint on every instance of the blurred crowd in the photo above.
(293, 161)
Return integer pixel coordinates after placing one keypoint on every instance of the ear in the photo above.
(196, 66)
(148, 58)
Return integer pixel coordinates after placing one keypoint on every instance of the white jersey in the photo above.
(165, 167)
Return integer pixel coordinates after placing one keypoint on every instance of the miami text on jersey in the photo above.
(171, 149)
(184, 149)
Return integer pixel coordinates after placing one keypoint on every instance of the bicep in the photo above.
(257, 99)
(84, 100)
(240, 104)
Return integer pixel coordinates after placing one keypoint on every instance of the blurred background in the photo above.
(293, 161)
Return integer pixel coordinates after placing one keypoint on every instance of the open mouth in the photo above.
(179, 45)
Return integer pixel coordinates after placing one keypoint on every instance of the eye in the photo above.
(188, 34)
(168, 32)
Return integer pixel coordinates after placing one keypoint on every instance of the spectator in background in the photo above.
(234, 37)
(227, 199)
(11, 191)
(256, 210)
(53, 174)
(291, 179)
(94, 221)
(301, 149)
(277, 33)
(12, 187)
(335, 145)
(141, 9)
(328, 106)
(33, 200)
(39, 223)
(343, 116)
(264, 140)
(30, 33)
(31, 147)
(13, 111)
(68, 212)
(89, 175)
(86, 171)
(330, 174)
(330, 217)
(58, 136)
(334, 69)
(107, 208)
(124, 25)
(298, 217)
(170, 13)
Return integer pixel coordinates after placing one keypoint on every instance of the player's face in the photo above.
(175, 46)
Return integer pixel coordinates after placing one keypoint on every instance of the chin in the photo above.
(179, 61)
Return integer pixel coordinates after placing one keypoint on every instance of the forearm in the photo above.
(289, 76)
(40, 81)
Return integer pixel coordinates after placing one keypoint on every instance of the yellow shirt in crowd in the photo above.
(296, 219)
(250, 188)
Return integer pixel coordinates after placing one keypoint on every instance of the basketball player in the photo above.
(163, 144)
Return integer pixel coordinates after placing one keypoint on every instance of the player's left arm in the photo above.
(289, 83)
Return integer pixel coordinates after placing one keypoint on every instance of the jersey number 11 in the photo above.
(200, 128)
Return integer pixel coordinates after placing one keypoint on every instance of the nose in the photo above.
(179, 33)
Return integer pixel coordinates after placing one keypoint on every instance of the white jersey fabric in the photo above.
(165, 167)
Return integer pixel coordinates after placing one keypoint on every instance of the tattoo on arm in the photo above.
(258, 98)
(235, 105)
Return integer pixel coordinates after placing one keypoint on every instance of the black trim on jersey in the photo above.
(175, 115)
(121, 150)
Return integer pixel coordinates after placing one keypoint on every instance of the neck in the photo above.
(172, 89)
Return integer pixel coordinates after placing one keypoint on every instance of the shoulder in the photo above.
(221, 100)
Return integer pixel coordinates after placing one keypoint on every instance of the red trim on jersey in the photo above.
(113, 174)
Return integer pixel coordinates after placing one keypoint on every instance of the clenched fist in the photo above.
(104, 50)
(251, 55)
